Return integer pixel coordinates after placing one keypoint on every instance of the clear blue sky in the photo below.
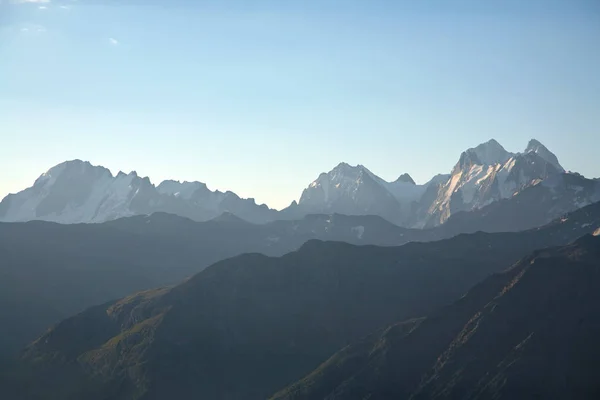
(259, 97)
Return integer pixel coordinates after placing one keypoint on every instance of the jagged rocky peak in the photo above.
(76, 191)
(466, 160)
(183, 189)
(534, 146)
(488, 173)
(490, 152)
(406, 178)
(132, 174)
(342, 173)
(346, 169)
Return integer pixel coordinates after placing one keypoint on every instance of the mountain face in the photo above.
(357, 191)
(536, 147)
(75, 191)
(488, 173)
(532, 207)
(529, 332)
(248, 326)
(354, 190)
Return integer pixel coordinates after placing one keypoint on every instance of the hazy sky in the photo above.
(259, 97)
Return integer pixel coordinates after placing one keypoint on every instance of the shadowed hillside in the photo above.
(250, 325)
(527, 333)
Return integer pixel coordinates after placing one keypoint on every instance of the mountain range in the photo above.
(51, 271)
(249, 326)
(76, 192)
(481, 283)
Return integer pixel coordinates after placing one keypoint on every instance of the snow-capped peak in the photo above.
(341, 176)
(490, 152)
(352, 190)
(72, 168)
(355, 190)
(535, 146)
(345, 169)
(77, 191)
(488, 172)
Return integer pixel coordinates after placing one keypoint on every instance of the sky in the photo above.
(261, 97)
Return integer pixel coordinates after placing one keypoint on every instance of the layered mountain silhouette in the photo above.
(51, 271)
(356, 291)
(75, 192)
(527, 333)
(247, 327)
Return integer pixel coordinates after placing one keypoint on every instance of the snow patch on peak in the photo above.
(184, 190)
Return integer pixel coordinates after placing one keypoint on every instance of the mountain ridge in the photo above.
(526, 332)
(76, 191)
